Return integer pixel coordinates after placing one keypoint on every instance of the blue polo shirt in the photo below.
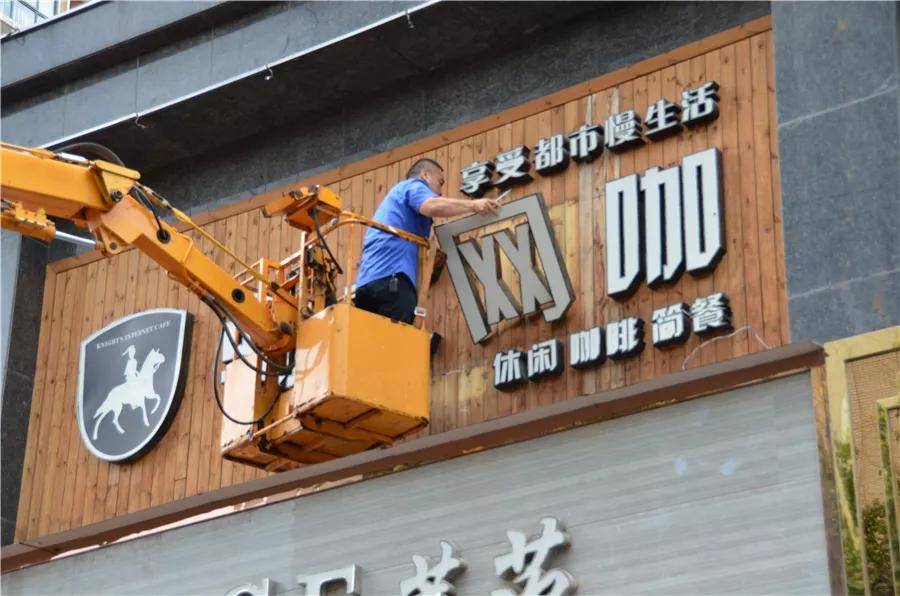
(384, 254)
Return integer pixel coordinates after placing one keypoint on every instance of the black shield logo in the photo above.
(130, 379)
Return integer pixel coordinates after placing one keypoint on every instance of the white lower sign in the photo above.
(524, 568)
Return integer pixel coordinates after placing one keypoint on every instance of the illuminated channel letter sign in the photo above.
(682, 223)
(528, 244)
(130, 378)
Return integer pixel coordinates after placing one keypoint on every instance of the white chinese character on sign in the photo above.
(513, 167)
(544, 359)
(508, 369)
(437, 580)
(318, 584)
(663, 119)
(526, 566)
(586, 143)
(476, 178)
(551, 155)
(265, 588)
(711, 313)
(700, 104)
(624, 338)
(670, 325)
(623, 131)
(586, 348)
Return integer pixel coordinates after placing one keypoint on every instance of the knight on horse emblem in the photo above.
(131, 377)
(137, 388)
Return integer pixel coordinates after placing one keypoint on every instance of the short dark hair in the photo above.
(422, 165)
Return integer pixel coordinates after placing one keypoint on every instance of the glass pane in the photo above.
(23, 15)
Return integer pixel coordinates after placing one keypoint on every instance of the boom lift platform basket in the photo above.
(361, 381)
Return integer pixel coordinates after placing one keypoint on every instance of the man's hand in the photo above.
(485, 206)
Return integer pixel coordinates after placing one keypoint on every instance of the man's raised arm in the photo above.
(446, 207)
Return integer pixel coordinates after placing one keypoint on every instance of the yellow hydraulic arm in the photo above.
(326, 380)
(121, 212)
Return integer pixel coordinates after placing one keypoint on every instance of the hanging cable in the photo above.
(95, 149)
(222, 314)
(143, 199)
(314, 213)
(215, 380)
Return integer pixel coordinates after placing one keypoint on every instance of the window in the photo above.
(27, 13)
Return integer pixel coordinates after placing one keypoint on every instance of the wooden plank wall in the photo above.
(64, 487)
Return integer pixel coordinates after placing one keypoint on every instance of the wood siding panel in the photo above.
(64, 487)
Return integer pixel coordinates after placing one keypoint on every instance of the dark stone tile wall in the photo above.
(839, 139)
(18, 384)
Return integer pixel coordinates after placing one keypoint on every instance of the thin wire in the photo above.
(221, 313)
(215, 380)
(142, 197)
(715, 339)
(216, 311)
(314, 213)
(96, 149)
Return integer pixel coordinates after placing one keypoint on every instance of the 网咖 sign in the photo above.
(547, 289)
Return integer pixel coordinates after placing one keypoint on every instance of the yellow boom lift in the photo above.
(313, 378)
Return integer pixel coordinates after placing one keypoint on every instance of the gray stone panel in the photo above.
(174, 71)
(717, 495)
(839, 144)
(847, 308)
(384, 122)
(10, 243)
(39, 118)
(314, 146)
(286, 28)
(92, 101)
(832, 53)
(19, 376)
(251, 41)
(840, 193)
(104, 25)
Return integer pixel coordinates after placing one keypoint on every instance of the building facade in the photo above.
(643, 384)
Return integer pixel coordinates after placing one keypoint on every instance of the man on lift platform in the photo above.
(388, 268)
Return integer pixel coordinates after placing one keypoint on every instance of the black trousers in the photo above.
(394, 297)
